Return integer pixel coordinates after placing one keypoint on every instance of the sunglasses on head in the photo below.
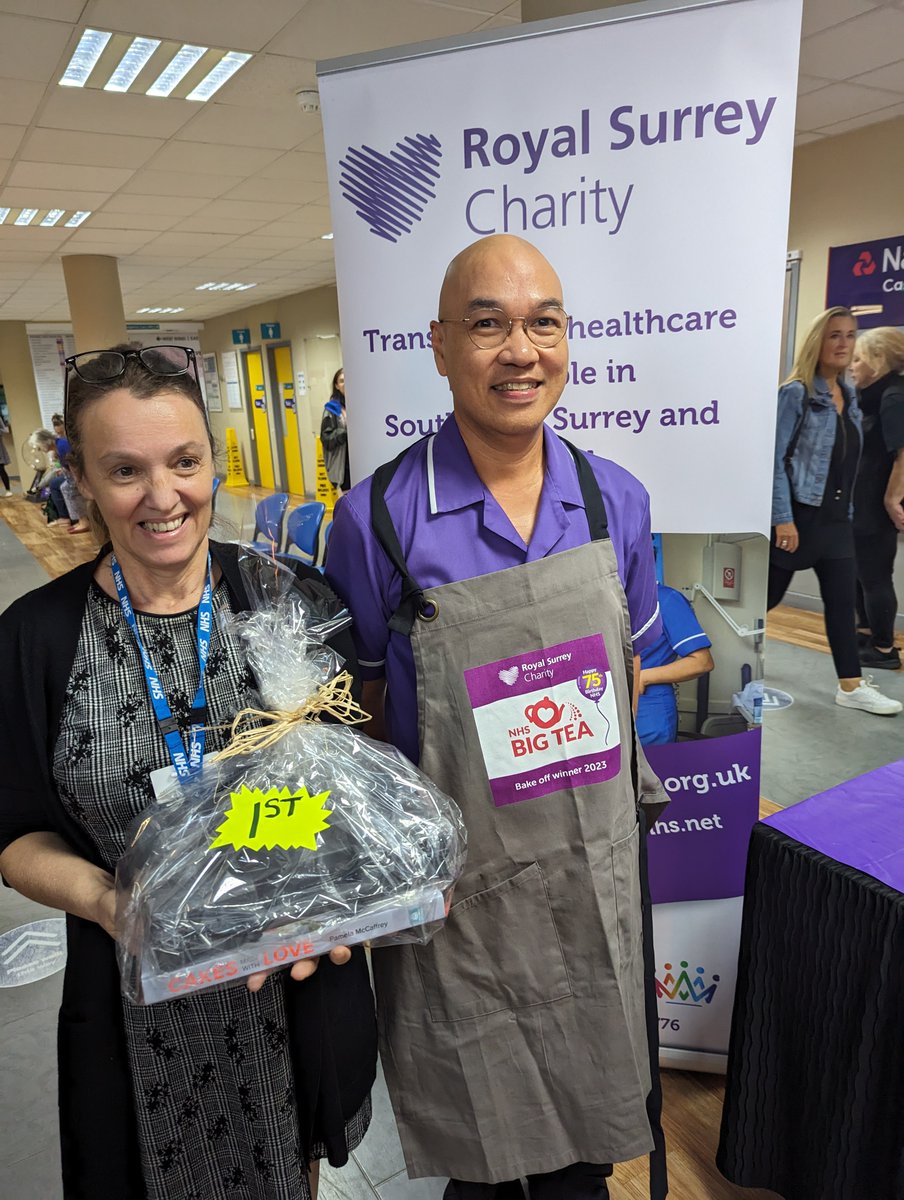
(102, 366)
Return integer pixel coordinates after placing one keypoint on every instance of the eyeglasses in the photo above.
(491, 327)
(102, 366)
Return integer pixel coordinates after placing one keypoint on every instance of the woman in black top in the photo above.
(217, 1094)
(876, 369)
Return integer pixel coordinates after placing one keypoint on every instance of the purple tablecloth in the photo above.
(859, 823)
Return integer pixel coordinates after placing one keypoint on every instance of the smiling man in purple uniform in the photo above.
(502, 585)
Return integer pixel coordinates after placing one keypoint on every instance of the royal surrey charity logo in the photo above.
(390, 192)
(865, 264)
(685, 987)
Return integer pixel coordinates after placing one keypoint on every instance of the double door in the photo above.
(273, 426)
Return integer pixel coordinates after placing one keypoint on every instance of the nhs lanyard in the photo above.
(185, 765)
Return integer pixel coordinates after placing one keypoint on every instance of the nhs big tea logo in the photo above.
(684, 986)
(390, 191)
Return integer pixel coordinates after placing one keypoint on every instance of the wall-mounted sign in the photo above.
(868, 278)
(241, 337)
(270, 331)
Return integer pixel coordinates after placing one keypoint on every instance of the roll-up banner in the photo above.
(646, 151)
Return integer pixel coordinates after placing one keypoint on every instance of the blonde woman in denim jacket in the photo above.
(818, 441)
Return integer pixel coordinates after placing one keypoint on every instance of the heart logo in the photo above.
(509, 675)
(389, 192)
(544, 713)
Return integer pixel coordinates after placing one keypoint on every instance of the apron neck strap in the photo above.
(594, 505)
(413, 602)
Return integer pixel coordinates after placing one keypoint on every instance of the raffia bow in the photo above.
(333, 699)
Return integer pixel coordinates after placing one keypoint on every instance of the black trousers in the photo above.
(876, 600)
(837, 586)
(580, 1181)
(4, 478)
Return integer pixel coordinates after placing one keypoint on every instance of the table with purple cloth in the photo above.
(814, 1097)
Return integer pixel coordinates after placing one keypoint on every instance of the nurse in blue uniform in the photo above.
(681, 652)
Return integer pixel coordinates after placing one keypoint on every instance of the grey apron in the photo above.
(517, 1041)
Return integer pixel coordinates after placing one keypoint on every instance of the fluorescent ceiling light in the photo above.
(76, 219)
(214, 80)
(53, 216)
(177, 70)
(326, 237)
(130, 64)
(4, 213)
(224, 287)
(26, 216)
(84, 60)
(159, 310)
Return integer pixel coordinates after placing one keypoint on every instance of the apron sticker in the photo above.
(546, 720)
(262, 820)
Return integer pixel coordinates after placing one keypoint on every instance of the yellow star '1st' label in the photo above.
(263, 820)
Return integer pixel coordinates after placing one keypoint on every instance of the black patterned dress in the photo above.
(211, 1073)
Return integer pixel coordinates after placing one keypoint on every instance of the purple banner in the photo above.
(869, 276)
(698, 847)
(859, 823)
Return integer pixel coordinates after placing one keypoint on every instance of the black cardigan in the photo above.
(331, 1012)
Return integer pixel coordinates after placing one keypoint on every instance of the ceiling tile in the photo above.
(280, 130)
(212, 224)
(367, 26)
(809, 83)
(88, 149)
(31, 48)
(269, 82)
(283, 191)
(193, 245)
(180, 183)
(202, 159)
(822, 14)
(43, 240)
(263, 210)
(94, 111)
(28, 197)
(10, 139)
(56, 10)
(890, 78)
(19, 98)
(297, 165)
(801, 139)
(175, 206)
(231, 24)
(839, 102)
(860, 45)
(885, 114)
(49, 175)
(153, 222)
(87, 240)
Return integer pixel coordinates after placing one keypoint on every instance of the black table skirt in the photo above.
(814, 1098)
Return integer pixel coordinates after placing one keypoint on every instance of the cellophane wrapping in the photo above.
(217, 881)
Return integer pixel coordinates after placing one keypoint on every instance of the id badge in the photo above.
(546, 720)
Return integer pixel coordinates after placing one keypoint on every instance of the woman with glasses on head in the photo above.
(231, 1092)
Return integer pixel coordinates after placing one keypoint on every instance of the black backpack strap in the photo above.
(795, 436)
(594, 505)
(413, 603)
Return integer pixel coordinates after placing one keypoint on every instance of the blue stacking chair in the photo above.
(269, 521)
(303, 529)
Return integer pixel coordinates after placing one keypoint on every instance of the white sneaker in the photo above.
(868, 698)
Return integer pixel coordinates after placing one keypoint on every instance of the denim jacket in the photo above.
(809, 466)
